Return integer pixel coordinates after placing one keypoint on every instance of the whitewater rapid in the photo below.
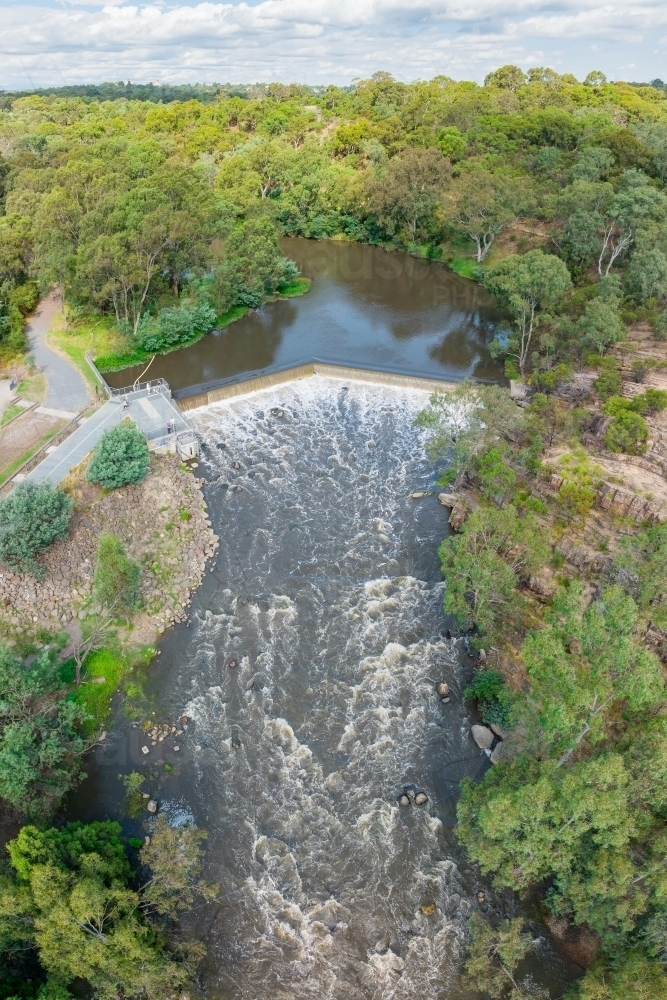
(327, 594)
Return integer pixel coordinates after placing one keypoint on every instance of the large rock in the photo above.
(519, 392)
(459, 515)
(482, 736)
(448, 499)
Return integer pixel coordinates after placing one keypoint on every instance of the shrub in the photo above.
(32, 517)
(116, 580)
(177, 326)
(639, 370)
(651, 401)
(576, 499)
(628, 432)
(609, 383)
(616, 405)
(488, 690)
(121, 457)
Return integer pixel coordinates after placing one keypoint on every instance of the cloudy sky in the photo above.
(51, 42)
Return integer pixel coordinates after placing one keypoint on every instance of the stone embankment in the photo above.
(163, 524)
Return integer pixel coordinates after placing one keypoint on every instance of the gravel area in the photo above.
(163, 524)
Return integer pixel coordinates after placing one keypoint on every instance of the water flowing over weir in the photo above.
(328, 596)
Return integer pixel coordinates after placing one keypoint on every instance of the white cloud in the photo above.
(320, 41)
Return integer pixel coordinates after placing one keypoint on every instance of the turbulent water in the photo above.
(326, 593)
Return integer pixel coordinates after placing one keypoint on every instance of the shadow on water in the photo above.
(365, 307)
(326, 593)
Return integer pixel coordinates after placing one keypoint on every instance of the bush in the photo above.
(628, 432)
(651, 401)
(488, 690)
(616, 405)
(116, 580)
(32, 517)
(576, 499)
(177, 326)
(121, 457)
(608, 384)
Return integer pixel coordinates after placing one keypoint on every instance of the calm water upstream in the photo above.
(365, 307)
(327, 593)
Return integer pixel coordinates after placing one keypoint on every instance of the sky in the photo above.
(57, 42)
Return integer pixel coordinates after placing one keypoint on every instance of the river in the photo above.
(365, 308)
(327, 595)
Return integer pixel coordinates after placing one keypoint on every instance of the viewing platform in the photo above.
(148, 404)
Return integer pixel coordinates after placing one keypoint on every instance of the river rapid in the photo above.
(327, 595)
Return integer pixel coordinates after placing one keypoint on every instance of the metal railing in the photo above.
(34, 460)
(97, 373)
(157, 385)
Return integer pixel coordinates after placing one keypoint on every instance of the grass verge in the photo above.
(10, 469)
(118, 360)
(105, 672)
(11, 412)
(466, 267)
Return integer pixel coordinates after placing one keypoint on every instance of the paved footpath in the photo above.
(66, 387)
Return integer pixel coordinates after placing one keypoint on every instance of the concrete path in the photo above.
(79, 444)
(66, 387)
(149, 412)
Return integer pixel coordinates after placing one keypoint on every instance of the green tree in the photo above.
(482, 565)
(634, 977)
(480, 210)
(646, 274)
(582, 243)
(506, 77)
(253, 266)
(583, 666)
(600, 327)
(405, 194)
(494, 955)
(116, 583)
(121, 457)
(32, 517)
(467, 422)
(592, 162)
(628, 432)
(40, 742)
(525, 286)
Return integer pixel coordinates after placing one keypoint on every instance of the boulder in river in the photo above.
(183, 720)
(151, 805)
(446, 701)
(421, 798)
(442, 688)
(483, 736)
(404, 800)
(417, 496)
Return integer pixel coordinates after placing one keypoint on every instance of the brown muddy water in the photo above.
(365, 308)
(326, 591)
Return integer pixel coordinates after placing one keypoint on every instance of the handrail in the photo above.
(97, 373)
(36, 458)
(158, 383)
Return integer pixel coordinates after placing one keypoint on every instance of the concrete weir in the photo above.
(163, 419)
(257, 383)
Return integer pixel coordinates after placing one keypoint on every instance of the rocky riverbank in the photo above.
(162, 523)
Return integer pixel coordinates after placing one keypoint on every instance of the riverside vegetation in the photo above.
(79, 902)
(572, 814)
(158, 221)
